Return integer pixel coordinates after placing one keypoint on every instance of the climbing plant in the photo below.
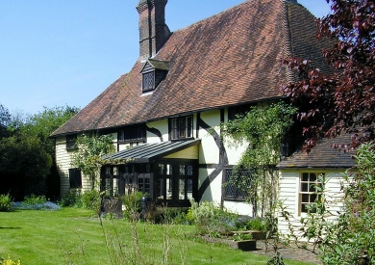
(263, 128)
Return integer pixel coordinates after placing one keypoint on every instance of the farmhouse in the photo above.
(164, 115)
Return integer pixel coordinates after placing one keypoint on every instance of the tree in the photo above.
(27, 153)
(342, 101)
(4, 120)
(89, 155)
(263, 128)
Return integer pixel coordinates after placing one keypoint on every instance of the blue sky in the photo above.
(57, 53)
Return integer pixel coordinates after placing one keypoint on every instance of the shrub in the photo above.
(72, 198)
(5, 203)
(132, 205)
(211, 219)
(33, 199)
(91, 200)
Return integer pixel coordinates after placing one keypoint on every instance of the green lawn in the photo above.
(75, 236)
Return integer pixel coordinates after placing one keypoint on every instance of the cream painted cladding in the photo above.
(291, 196)
(63, 162)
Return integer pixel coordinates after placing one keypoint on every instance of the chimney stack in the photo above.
(153, 32)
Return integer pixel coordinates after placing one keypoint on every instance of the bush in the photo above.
(73, 198)
(211, 219)
(32, 200)
(132, 205)
(91, 200)
(5, 203)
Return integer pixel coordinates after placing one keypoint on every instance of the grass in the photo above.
(74, 236)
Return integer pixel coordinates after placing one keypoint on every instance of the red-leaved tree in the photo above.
(342, 101)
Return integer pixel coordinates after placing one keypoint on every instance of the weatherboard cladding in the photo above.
(149, 152)
(228, 59)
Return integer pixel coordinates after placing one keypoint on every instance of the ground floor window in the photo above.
(308, 190)
(75, 178)
(172, 182)
(236, 184)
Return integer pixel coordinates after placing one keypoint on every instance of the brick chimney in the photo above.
(153, 32)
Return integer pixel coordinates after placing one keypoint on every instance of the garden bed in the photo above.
(233, 239)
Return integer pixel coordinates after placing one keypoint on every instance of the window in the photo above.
(236, 184)
(153, 72)
(75, 178)
(148, 82)
(181, 128)
(308, 193)
(132, 134)
(71, 141)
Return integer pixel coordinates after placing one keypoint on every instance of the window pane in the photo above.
(304, 187)
(312, 176)
(168, 169)
(303, 208)
(160, 189)
(305, 176)
(189, 189)
(190, 170)
(182, 127)
(181, 189)
(182, 170)
(189, 127)
(313, 198)
(169, 189)
(161, 169)
(305, 198)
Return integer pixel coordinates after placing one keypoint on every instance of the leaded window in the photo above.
(237, 184)
(148, 83)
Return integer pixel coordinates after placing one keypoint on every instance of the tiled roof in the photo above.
(228, 59)
(323, 155)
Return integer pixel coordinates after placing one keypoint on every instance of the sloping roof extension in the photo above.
(322, 156)
(149, 152)
(229, 59)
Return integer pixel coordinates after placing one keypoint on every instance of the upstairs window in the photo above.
(132, 134)
(148, 81)
(181, 128)
(153, 72)
(71, 141)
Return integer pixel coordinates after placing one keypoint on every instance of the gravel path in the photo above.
(288, 252)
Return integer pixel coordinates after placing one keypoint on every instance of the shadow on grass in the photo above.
(9, 227)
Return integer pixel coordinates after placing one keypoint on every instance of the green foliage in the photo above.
(263, 128)
(132, 205)
(5, 203)
(26, 152)
(210, 219)
(33, 199)
(351, 238)
(317, 224)
(91, 200)
(73, 199)
(89, 155)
